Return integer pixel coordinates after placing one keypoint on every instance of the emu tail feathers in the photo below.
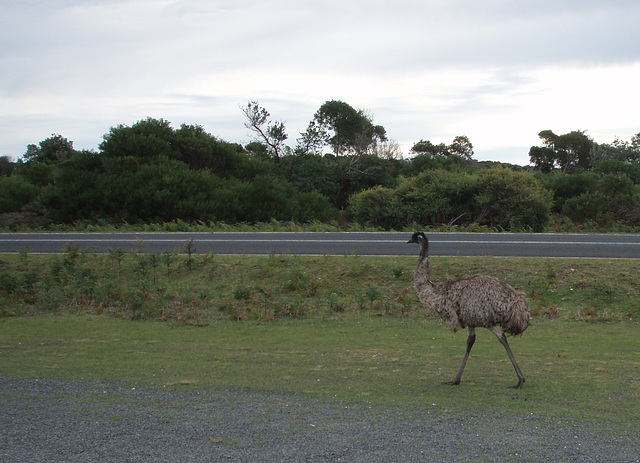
(517, 319)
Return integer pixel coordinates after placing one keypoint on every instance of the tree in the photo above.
(619, 150)
(577, 146)
(146, 139)
(195, 146)
(6, 166)
(74, 192)
(352, 136)
(569, 152)
(542, 158)
(428, 148)
(40, 161)
(272, 134)
(348, 131)
(52, 150)
(388, 149)
(201, 150)
(461, 146)
(257, 150)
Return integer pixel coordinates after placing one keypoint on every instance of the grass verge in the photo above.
(574, 370)
(204, 288)
(345, 326)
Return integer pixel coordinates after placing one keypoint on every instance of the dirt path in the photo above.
(72, 421)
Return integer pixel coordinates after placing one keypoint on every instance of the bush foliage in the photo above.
(151, 173)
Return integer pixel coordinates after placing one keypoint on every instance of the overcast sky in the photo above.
(497, 71)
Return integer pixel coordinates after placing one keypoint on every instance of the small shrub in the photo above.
(232, 312)
(26, 286)
(117, 255)
(373, 294)
(241, 294)
(588, 314)
(23, 257)
(377, 207)
(312, 288)
(190, 249)
(291, 310)
(551, 275)
(8, 283)
(334, 304)
(85, 280)
(154, 262)
(71, 257)
(168, 258)
(296, 280)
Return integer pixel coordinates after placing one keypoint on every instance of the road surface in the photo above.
(365, 244)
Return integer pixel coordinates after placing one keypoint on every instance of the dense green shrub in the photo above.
(438, 197)
(512, 200)
(310, 172)
(619, 167)
(15, 193)
(499, 198)
(565, 186)
(587, 206)
(377, 207)
(150, 172)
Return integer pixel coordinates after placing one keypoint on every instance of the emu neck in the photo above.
(421, 275)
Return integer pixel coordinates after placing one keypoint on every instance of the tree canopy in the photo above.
(568, 152)
(272, 134)
(461, 146)
(345, 129)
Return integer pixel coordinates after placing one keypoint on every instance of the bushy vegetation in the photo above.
(192, 288)
(152, 173)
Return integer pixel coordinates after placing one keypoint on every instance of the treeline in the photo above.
(150, 172)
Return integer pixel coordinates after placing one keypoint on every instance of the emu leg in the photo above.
(503, 340)
(470, 340)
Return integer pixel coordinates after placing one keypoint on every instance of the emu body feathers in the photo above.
(478, 301)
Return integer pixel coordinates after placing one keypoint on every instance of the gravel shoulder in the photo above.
(77, 421)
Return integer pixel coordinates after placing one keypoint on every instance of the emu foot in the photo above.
(519, 385)
(453, 382)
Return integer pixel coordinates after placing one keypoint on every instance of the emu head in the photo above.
(418, 237)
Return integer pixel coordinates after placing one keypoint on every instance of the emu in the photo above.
(478, 301)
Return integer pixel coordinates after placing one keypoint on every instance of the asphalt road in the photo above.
(441, 244)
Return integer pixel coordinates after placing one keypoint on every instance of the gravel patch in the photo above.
(77, 421)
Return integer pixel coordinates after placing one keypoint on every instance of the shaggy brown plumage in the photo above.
(479, 301)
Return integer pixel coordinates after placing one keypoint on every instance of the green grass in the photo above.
(202, 289)
(345, 326)
(574, 370)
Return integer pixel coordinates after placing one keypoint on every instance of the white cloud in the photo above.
(495, 70)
